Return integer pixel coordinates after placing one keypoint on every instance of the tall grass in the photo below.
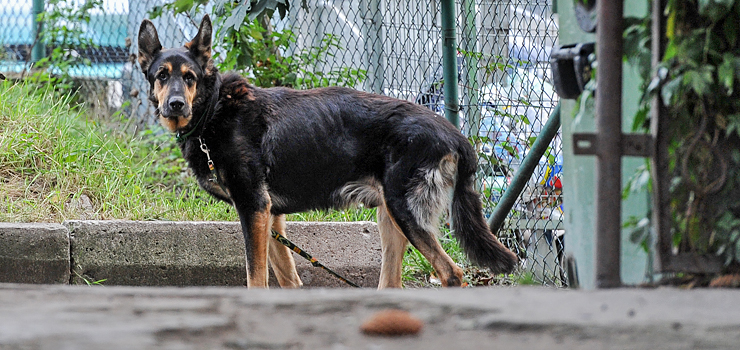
(56, 164)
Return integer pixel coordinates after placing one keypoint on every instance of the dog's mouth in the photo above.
(174, 121)
(172, 114)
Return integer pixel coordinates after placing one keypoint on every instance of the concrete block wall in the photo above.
(34, 253)
(152, 253)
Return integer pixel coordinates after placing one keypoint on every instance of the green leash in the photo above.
(284, 241)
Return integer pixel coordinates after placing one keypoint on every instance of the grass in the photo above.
(57, 164)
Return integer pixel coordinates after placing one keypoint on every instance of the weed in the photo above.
(90, 282)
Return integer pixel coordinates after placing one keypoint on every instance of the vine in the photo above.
(696, 81)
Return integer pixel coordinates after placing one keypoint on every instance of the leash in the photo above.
(211, 167)
(276, 235)
(284, 241)
(179, 137)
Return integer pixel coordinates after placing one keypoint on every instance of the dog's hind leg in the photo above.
(393, 244)
(416, 204)
(281, 258)
(426, 242)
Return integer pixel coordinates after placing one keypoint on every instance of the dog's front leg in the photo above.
(281, 258)
(393, 245)
(255, 218)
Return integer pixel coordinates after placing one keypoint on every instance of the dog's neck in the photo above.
(202, 116)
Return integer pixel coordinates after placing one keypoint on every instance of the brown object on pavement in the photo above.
(392, 323)
(726, 281)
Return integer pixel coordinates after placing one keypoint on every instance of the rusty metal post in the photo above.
(658, 128)
(609, 134)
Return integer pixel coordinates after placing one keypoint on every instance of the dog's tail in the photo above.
(470, 228)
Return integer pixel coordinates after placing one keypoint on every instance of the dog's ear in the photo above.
(200, 46)
(148, 44)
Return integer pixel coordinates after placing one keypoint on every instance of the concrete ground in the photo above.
(118, 317)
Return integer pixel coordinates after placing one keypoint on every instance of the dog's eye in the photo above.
(162, 76)
(189, 78)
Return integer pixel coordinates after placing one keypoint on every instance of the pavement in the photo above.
(125, 317)
(179, 285)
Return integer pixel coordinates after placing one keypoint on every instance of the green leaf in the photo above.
(733, 124)
(183, 5)
(237, 15)
(670, 51)
(262, 7)
(726, 72)
(699, 81)
(283, 8)
(715, 9)
(256, 33)
(730, 31)
(670, 89)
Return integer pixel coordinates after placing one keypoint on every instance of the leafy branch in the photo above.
(249, 44)
(65, 32)
(696, 82)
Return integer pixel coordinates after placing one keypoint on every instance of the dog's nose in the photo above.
(176, 103)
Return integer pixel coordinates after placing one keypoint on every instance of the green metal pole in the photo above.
(37, 52)
(449, 62)
(525, 171)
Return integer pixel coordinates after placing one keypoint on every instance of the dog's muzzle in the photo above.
(175, 108)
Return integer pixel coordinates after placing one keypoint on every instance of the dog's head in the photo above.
(174, 74)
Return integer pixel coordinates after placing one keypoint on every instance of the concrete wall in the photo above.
(157, 253)
(34, 253)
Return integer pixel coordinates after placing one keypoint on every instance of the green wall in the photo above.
(579, 181)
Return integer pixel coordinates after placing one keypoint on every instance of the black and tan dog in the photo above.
(276, 151)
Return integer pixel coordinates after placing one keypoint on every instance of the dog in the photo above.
(274, 151)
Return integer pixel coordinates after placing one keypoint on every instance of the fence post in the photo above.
(38, 50)
(469, 43)
(609, 135)
(373, 36)
(449, 62)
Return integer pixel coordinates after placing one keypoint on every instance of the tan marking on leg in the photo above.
(281, 259)
(393, 245)
(257, 273)
(448, 272)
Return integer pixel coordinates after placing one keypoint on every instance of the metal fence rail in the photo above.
(505, 90)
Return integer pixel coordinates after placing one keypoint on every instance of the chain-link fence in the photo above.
(503, 65)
